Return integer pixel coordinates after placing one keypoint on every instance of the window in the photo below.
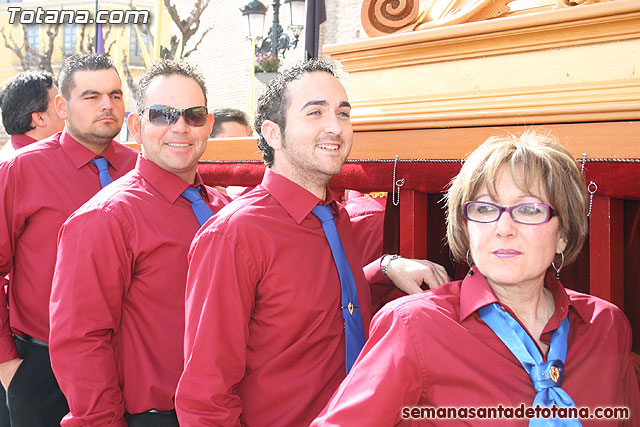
(69, 38)
(33, 36)
(135, 51)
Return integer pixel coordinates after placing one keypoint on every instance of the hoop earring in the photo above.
(469, 263)
(557, 269)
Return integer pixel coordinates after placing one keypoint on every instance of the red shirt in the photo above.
(367, 220)
(39, 189)
(432, 349)
(123, 292)
(15, 142)
(264, 335)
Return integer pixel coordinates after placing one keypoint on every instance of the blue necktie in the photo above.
(545, 376)
(354, 331)
(103, 169)
(200, 208)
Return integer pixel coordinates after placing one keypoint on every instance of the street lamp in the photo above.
(277, 39)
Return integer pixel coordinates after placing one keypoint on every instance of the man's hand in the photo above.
(409, 274)
(8, 370)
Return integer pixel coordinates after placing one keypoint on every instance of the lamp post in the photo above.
(277, 39)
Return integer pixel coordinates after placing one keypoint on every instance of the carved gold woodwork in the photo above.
(572, 3)
(453, 143)
(383, 17)
(524, 69)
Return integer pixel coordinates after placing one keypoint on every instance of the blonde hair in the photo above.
(532, 159)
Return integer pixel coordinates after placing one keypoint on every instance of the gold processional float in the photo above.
(429, 86)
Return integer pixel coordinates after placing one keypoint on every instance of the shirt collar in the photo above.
(169, 185)
(81, 155)
(20, 140)
(297, 201)
(476, 293)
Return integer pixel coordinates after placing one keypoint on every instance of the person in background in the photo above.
(28, 111)
(509, 334)
(230, 123)
(123, 289)
(28, 115)
(277, 304)
(39, 189)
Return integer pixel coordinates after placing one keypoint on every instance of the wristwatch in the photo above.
(384, 264)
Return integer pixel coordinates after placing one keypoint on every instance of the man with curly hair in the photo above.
(278, 306)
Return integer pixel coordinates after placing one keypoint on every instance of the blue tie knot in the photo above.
(323, 213)
(192, 194)
(202, 211)
(103, 170)
(547, 374)
(101, 163)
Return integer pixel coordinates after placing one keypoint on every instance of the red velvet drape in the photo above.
(617, 179)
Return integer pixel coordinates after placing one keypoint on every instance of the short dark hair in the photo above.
(86, 62)
(225, 115)
(166, 67)
(273, 103)
(22, 95)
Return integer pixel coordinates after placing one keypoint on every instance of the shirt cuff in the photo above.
(374, 274)
(8, 349)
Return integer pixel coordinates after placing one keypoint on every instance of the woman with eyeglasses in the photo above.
(507, 344)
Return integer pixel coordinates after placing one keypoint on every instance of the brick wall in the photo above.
(225, 55)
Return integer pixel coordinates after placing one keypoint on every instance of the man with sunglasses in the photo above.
(39, 189)
(278, 306)
(123, 290)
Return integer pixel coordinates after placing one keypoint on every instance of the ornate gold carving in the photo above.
(572, 3)
(382, 17)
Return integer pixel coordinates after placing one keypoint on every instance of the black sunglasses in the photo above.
(163, 115)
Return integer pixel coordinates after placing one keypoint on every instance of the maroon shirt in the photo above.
(14, 143)
(264, 335)
(432, 349)
(39, 189)
(367, 220)
(122, 289)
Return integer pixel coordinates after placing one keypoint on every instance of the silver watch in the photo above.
(384, 264)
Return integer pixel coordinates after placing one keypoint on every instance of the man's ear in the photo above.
(272, 134)
(37, 119)
(133, 123)
(61, 106)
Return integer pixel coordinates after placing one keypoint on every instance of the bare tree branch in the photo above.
(18, 50)
(125, 69)
(172, 50)
(27, 54)
(204, 33)
(80, 42)
(188, 27)
(105, 36)
(45, 57)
